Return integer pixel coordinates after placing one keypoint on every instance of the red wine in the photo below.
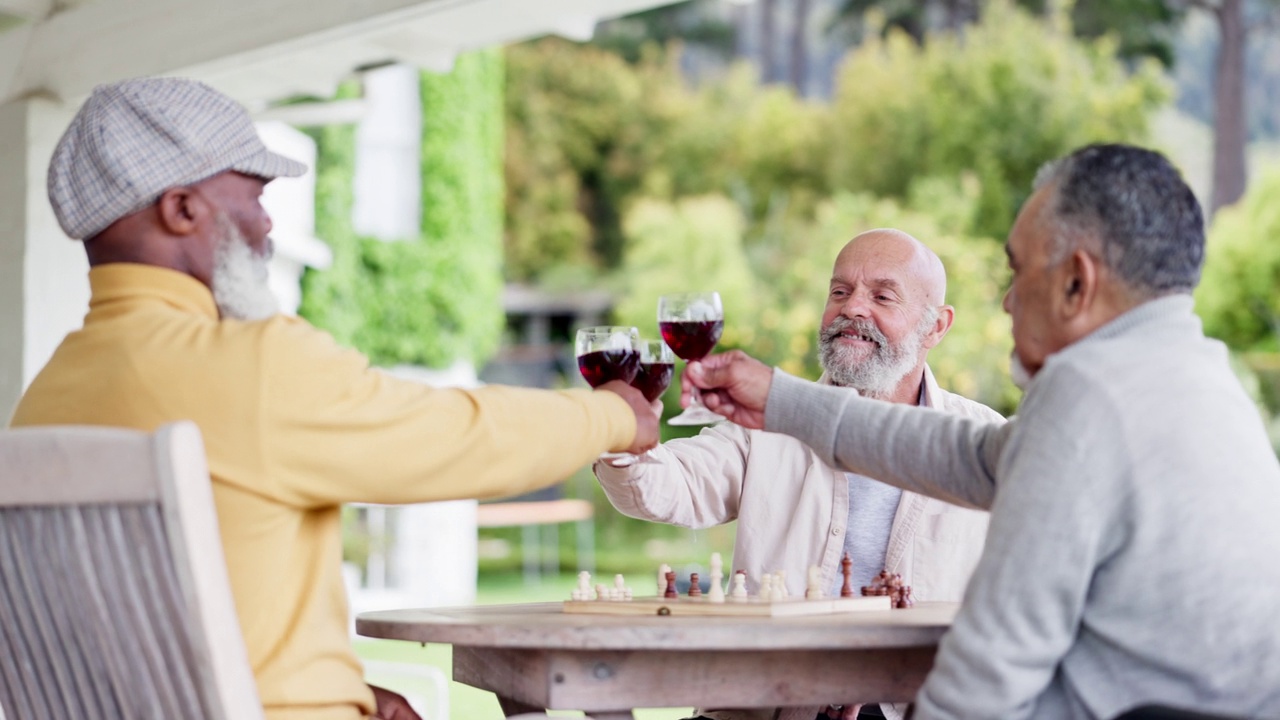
(601, 366)
(653, 378)
(691, 339)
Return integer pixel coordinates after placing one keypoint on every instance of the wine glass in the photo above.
(657, 366)
(691, 324)
(608, 352)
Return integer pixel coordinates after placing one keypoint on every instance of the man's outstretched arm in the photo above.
(936, 454)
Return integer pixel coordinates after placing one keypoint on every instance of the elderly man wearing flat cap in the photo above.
(161, 179)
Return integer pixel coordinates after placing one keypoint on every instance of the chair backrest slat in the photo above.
(99, 614)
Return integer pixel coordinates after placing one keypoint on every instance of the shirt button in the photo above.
(835, 531)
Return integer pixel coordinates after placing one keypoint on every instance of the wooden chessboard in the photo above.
(749, 607)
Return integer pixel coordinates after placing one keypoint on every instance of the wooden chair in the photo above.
(114, 599)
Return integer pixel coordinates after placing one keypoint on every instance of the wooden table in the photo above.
(535, 657)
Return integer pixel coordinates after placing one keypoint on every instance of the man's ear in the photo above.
(946, 316)
(1079, 283)
(181, 210)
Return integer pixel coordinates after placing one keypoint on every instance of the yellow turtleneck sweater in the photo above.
(294, 426)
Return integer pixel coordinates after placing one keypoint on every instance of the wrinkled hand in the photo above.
(648, 415)
(733, 384)
(392, 706)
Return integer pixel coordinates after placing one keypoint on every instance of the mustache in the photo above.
(842, 325)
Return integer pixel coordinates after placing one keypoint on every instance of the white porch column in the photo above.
(44, 287)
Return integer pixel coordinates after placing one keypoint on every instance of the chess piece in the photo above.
(671, 585)
(766, 587)
(619, 584)
(716, 593)
(846, 569)
(813, 590)
(905, 600)
(739, 589)
(780, 585)
(662, 578)
(695, 590)
(583, 591)
(602, 592)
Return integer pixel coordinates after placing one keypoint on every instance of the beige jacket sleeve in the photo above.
(692, 482)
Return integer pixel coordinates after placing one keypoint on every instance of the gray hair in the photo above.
(1147, 223)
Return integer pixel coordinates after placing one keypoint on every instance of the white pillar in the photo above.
(44, 286)
(291, 203)
(388, 168)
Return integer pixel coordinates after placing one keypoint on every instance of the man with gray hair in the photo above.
(885, 310)
(1131, 556)
(162, 179)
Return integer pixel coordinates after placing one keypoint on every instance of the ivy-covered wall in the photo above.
(437, 298)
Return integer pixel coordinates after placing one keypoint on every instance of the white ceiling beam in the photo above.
(78, 47)
(106, 40)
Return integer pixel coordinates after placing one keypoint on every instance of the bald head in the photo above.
(885, 311)
(918, 267)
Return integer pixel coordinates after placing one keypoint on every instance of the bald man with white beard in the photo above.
(885, 310)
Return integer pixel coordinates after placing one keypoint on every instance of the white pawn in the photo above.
(766, 587)
(739, 589)
(620, 589)
(814, 589)
(716, 594)
(583, 591)
(663, 569)
(602, 592)
(780, 585)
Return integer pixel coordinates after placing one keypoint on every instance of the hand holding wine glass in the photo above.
(657, 367)
(606, 354)
(691, 324)
(732, 384)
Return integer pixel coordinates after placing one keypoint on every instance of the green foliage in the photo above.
(436, 298)
(1143, 28)
(998, 102)
(691, 245)
(574, 145)
(589, 135)
(1238, 297)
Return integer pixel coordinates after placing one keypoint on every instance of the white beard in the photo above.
(240, 287)
(1018, 372)
(878, 374)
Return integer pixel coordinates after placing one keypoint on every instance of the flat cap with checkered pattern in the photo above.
(133, 140)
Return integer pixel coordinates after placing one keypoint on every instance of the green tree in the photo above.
(1009, 95)
(1238, 297)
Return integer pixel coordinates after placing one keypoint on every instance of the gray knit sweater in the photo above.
(1134, 549)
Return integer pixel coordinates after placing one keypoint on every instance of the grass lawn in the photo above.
(468, 703)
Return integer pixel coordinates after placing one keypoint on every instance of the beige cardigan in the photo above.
(792, 510)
